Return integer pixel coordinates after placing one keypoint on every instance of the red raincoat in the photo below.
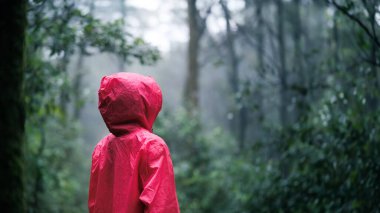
(131, 167)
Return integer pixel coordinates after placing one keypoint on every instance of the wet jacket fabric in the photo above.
(131, 168)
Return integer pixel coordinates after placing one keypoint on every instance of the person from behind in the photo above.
(131, 169)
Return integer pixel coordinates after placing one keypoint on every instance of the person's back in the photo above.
(131, 167)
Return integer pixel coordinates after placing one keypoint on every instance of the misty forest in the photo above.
(269, 105)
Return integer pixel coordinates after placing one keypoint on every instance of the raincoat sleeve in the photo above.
(157, 177)
(93, 179)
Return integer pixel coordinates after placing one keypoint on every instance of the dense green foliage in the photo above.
(326, 166)
(322, 166)
(326, 160)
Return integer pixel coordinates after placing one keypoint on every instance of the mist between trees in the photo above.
(270, 105)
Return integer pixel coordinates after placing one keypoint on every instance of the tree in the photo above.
(12, 39)
(282, 72)
(197, 25)
(325, 159)
(299, 86)
(238, 122)
(79, 71)
(260, 67)
(365, 19)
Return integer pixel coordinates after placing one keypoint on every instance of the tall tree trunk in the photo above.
(374, 99)
(255, 24)
(282, 73)
(191, 96)
(239, 122)
(336, 42)
(12, 113)
(77, 87)
(260, 36)
(233, 74)
(301, 87)
(79, 73)
(64, 98)
(260, 60)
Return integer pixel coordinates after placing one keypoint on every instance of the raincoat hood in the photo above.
(128, 101)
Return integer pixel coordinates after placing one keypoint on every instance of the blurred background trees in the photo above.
(269, 106)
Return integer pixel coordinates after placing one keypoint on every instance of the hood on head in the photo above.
(129, 100)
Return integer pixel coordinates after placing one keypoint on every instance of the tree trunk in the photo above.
(239, 122)
(260, 36)
(233, 74)
(282, 74)
(336, 42)
(374, 99)
(260, 60)
(12, 113)
(300, 88)
(77, 87)
(79, 73)
(191, 96)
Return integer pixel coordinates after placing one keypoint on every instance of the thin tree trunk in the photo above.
(336, 42)
(239, 122)
(64, 93)
(260, 36)
(260, 59)
(282, 74)
(77, 86)
(301, 87)
(374, 100)
(12, 113)
(233, 74)
(78, 76)
(191, 98)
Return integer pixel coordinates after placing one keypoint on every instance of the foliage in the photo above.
(194, 153)
(330, 163)
(327, 160)
(56, 178)
(331, 166)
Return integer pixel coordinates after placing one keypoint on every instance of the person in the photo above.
(131, 167)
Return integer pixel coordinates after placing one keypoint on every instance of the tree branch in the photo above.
(202, 20)
(355, 19)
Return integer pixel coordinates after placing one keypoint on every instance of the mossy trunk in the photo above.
(12, 37)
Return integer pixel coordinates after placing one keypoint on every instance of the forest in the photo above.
(269, 105)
